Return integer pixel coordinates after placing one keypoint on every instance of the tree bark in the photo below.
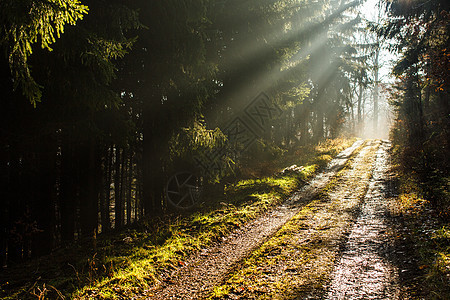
(152, 167)
(67, 200)
(44, 206)
(128, 191)
(118, 205)
(15, 202)
(376, 92)
(89, 189)
(106, 218)
(360, 106)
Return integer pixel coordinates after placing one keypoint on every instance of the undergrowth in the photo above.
(130, 262)
(429, 229)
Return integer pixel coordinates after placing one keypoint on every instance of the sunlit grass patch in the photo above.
(220, 291)
(411, 202)
(199, 230)
(305, 156)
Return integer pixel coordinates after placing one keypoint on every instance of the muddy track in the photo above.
(210, 267)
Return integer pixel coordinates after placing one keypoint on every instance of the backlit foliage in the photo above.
(26, 23)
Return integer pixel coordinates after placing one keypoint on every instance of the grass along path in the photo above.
(298, 260)
(422, 237)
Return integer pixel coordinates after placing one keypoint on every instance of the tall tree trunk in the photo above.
(3, 228)
(128, 191)
(319, 131)
(319, 112)
(360, 95)
(68, 192)
(105, 214)
(304, 120)
(6, 196)
(118, 206)
(44, 207)
(138, 213)
(88, 189)
(151, 162)
(123, 185)
(15, 202)
(376, 92)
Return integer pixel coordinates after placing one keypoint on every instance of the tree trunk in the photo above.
(6, 196)
(128, 191)
(118, 206)
(68, 193)
(360, 107)
(105, 213)
(15, 202)
(319, 131)
(304, 121)
(88, 189)
(151, 163)
(44, 207)
(376, 92)
(123, 185)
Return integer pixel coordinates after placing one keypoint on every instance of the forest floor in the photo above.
(351, 231)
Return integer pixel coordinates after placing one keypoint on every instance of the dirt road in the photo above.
(364, 270)
(326, 241)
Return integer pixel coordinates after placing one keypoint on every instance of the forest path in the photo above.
(329, 222)
(365, 269)
(339, 246)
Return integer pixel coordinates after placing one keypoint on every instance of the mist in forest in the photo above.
(383, 124)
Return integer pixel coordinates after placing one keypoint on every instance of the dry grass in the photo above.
(428, 238)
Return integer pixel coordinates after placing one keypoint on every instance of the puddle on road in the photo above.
(364, 270)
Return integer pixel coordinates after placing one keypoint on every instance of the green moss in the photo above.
(220, 292)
